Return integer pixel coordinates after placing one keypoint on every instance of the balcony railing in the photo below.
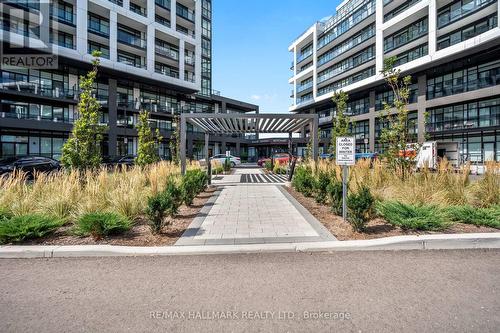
(304, 87)
(167, 51)
(487, 121)
(189, 60)
(167, 71)
(99, 29)
(63, 15)
(130, 39)
(138, 9)
(36, 89)
(163, 3)
(185, 13)
(304, 56)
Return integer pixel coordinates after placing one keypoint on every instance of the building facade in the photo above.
(450, 48)
(156, 56)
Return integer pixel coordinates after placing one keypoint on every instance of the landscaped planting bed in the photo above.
(137, 207)
(381, 204)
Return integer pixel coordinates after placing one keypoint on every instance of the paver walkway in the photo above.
(244, 213)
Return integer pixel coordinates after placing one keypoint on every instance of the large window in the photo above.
(347, 64)
(406, 35)
(387, 96)
(104, 49)
(362, 36)
(347, 23)
(485, 113)
(459, 9)
(398, 10)
(410, 55)
(44, 83)
(468, 79)
(131, 59)
(347, 81)
(98, 25)
(467, 32)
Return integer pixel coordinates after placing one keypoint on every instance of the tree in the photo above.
(175, 142)
(340, 121)
(83, 148)
(148, 145)
(395, 137)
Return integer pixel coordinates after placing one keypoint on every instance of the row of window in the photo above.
(459, 9)
(406, 35)
(401, 8)
(347, 81)
(345, 25)
(347, 64)
(359, 38)
(468, 79)
(485, 113)
(410, 55)
(467, 32)
(20, 110)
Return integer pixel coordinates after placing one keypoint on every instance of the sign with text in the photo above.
(346, 149)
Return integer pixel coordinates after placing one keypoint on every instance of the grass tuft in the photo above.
(412, 217)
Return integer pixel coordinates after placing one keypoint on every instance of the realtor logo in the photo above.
(25, 37)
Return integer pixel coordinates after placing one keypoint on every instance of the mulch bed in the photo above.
(139, 235)
(377, 228)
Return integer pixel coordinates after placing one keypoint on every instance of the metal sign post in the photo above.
(345, 156)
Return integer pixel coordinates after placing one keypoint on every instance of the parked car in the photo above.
(127, 161)
(281, 158)
(28, 164)
(221, 158)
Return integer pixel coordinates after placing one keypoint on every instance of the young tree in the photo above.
(83, 148)
(175, 142)
(395, 137)
(147, 150)
(340, 121)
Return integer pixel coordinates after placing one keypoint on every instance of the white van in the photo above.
(432, 152)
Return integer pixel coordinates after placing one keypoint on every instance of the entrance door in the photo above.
(489, 151)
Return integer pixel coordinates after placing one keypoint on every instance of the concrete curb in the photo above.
(424, 242)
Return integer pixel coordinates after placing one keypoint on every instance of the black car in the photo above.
(126, 161)
(28, 164)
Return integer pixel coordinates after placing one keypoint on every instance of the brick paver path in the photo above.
(249, 214)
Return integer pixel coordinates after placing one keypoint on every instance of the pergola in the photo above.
(235, 123)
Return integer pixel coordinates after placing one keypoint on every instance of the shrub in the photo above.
(101, 224)
(412, 217)
(268, 166)
(334, 190)
(227, 164)
(321, 186)
(478, 216)
(279, 169)
(303, 181)
(193, 183)
(24, 227)
(163, 204)
(360, 207)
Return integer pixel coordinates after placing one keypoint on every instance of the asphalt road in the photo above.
(424, 291)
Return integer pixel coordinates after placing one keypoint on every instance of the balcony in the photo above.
(130, 39)
(138, 9)
(189, 77)
(117, 2)
(98, 29)
(167, 51)
(27, 116)
(163, 3)
(458, 10)
(166, 70)
(186, 13)
(63, 16)
(304, 56)
(304, 87)
(189, 60)
(36, 89)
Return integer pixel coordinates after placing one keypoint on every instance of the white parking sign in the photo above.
(345, 154)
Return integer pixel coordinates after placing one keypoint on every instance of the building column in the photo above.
(379, 36)
(314, 138)
(113, 116)
(373, 116)
(182, 48)
(238, 148)
(190, 147)
(150, 50)
(421, 106)
(81, 26)
(113, 36)
(432, 28)
(182, 146)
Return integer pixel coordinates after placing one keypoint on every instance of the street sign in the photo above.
(346, 149)
(228, 153)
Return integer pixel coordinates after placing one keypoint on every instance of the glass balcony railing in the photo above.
(304, 87)
(63, 16)
(459, 9)
(189, 60)
(185, 13)
(167, 51)
(304, 55)
(167, 71)
(163, 3)
(117, 2)
(99, 29)
(138, 9)
(130, 39)
(36, 89)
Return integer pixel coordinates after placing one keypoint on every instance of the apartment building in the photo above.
(451, 49)
(156, 56)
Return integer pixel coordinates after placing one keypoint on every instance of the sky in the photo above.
(251, 61)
